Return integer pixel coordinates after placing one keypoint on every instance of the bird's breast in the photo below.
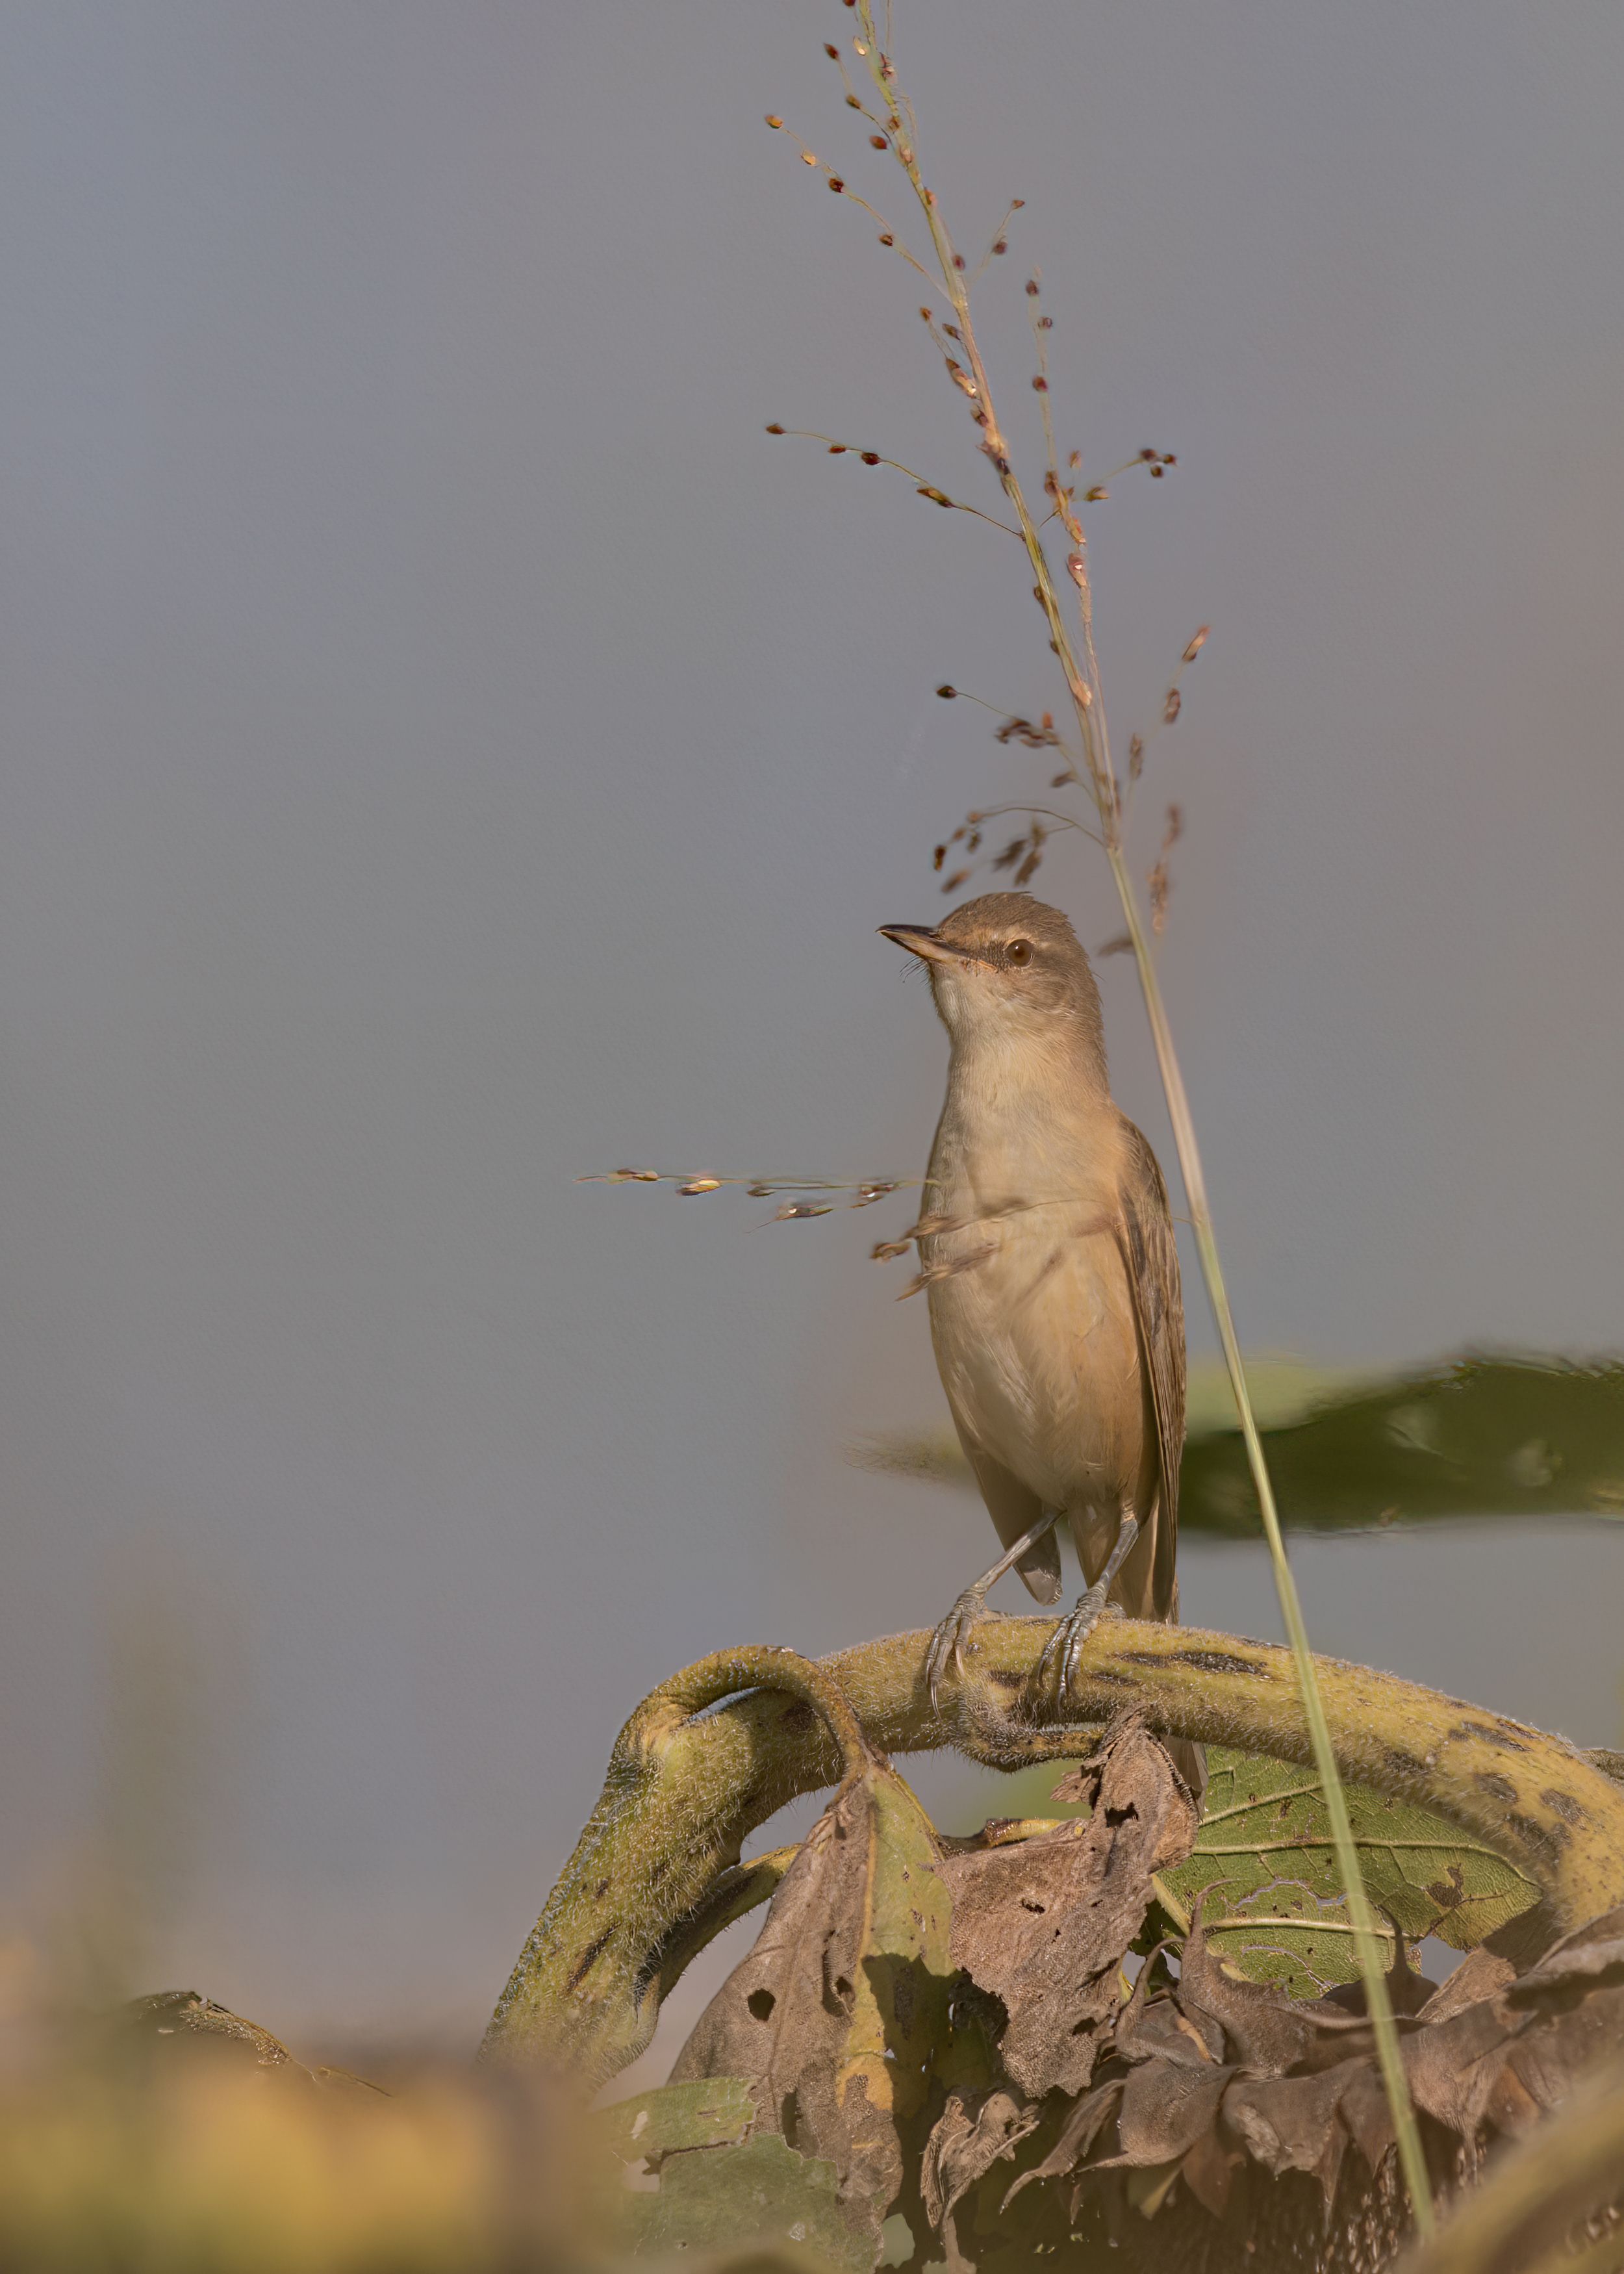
(1032, 1314)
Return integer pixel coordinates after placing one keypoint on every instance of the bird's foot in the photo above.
(1056, 1673)
(947, 1643)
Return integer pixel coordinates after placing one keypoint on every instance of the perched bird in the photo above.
(1052, 1275)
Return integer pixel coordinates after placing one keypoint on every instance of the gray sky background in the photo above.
(448, 747)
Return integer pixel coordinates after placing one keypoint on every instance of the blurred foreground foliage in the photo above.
(1474, 1436)
(178, 2138)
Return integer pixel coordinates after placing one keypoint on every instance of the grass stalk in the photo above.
(1080, 664)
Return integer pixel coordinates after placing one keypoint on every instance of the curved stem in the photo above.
(687, 1786)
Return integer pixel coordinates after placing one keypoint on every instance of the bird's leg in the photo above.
(1064, 1646)
(947, 1643)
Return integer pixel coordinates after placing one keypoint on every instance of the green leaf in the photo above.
(1277, 1909)
(713, 2111)
(1473, 1436)
(760, 2193)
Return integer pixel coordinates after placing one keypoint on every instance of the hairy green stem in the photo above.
(659, 1861)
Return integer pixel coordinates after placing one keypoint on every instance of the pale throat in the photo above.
(1027, 1117)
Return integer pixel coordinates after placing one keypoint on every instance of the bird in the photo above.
(1050, 1266)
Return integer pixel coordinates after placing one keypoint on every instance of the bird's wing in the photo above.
(1150, 1251)
(1014, 1508)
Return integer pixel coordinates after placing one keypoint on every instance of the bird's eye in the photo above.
(1018, 951)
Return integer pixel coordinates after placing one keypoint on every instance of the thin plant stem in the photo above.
(1080, 664)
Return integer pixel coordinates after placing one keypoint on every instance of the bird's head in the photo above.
(1007, 967)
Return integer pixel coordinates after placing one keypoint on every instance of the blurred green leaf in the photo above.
(1277, 1909)
(759, 2193)
(713, 2111)
(1351, 1450)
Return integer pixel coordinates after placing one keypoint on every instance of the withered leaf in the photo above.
(836, 2016)
(1044, 1925)
(1166, 2108)
(1082, 2127)
(972, 2132)
(1290, 2123)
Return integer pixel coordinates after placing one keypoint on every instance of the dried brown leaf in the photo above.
(836, 2017)
(1044, 1925)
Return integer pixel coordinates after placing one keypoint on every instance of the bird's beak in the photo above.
(921, 942)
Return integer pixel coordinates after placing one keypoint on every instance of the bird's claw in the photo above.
(1057, 1666)
(947, 1643)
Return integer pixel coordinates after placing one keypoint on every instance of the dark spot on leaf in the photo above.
(1491, 1734)
(600, 1891)
(761, 2003)
(798, 1714)
(1217, 1661)
(1564, 1806)
(1546, 1836)
(1446, 1893)
(583, 1964)
(1498, 1788)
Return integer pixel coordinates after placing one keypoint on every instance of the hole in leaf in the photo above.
(761, 2003)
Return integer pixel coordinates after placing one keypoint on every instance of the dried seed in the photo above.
(947, 692)
(775, 430)
(798, 1211)
(1196, 644)
(1077, 568)
(959, 877)
(886, 237)
(876, 142)
(1171, 708)
(771, 121)
(701, 1185)
(1093, 496)
(886, 1251)
(1136, 757)
(836, 184)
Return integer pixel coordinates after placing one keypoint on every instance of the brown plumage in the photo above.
(1056, 1309)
